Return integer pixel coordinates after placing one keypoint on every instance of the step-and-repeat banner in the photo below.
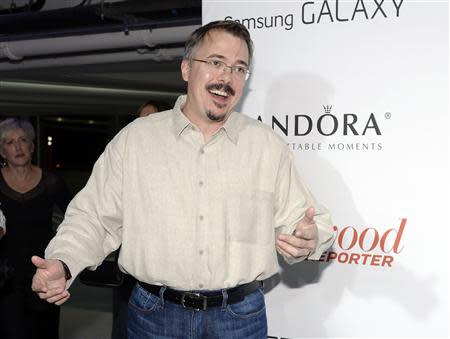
(359, 90)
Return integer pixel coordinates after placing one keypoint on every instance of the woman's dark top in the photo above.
(29, 226)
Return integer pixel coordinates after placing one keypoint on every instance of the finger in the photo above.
(63, 300)
(281, 251)
(38, 285)
(291, 240)
(308, 232)
(39, 289)
(56, 290)
(309, 214)
(292, 251)
(51, 292)
(299, 243)
(39, 262)
(50, 296)
(308, 217)
(41, 295)
(55, 298)
(58, 297)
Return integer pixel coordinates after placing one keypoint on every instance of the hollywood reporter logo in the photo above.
(369, 246)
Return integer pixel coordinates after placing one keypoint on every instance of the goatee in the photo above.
(213, 117)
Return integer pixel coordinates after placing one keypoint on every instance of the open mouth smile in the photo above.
(220, 93)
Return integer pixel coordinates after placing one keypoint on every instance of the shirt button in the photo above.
(202, 151)
(200, 285)
(200, 183)
(201, 217)
(200, 252)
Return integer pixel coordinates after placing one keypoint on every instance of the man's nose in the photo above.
(226, 74)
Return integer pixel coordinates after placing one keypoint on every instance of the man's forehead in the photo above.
(216, 38)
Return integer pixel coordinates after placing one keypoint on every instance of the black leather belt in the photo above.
(204, 300)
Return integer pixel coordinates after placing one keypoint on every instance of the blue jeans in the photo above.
(150, 316)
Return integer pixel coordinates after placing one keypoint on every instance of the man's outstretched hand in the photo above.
(49, 281)
(303, 241)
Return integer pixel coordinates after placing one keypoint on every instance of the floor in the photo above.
(87, 314)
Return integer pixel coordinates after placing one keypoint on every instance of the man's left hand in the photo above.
(304, 239)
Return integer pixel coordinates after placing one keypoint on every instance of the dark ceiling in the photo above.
(102, 58)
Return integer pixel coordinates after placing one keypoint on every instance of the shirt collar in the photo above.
(231, 127)
(181, 122)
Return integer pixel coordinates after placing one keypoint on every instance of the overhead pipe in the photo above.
(17, 50)
(6, 52)
(66, 91)
(160, 54)
(72, 99)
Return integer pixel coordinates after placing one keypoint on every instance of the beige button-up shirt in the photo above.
(189, 215)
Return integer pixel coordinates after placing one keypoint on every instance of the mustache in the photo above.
(221, 87)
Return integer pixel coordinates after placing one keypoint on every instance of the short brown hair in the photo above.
(234, 28)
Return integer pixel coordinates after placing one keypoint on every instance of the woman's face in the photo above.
(17, 148)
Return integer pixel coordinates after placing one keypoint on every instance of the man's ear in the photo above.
(185, 69)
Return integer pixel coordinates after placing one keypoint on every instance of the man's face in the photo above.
(213, 93)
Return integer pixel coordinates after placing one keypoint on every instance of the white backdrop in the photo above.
(359, 90)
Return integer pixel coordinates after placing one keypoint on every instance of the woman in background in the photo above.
(28, 196)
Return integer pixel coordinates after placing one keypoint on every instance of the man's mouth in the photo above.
(219, 93)
(221, 90)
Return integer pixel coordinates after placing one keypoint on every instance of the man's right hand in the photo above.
(49, 281)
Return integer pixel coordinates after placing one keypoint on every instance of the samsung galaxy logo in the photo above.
(320, 12)
(314, 12)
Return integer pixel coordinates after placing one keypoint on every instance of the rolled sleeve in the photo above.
(293, 198)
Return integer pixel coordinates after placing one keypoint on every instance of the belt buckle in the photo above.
(197, 296)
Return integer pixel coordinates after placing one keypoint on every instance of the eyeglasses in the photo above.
(241, 72)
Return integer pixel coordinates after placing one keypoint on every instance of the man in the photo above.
(200, 197)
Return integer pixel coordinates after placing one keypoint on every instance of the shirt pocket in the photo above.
(250, 217)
